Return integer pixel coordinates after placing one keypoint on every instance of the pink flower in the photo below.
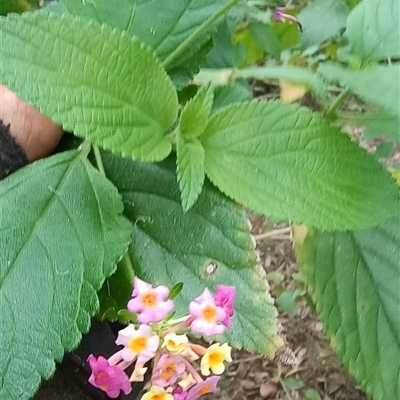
(151, 303)
(207, 316)
(110, 379)
(138, 343)
(225, 297)
(207, 386)
(168, 370)
(179, 394)
(280, 15)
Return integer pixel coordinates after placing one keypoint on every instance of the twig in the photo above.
(275, 234)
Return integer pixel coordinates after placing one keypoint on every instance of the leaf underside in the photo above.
(354, 279)
(379, 84)
(372, 29)
(59, 240)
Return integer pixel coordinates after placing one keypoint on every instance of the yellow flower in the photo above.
(174, 343)
(214, 359)
(157, 393)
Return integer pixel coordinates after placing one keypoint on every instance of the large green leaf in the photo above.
(94, 80)
(322, 20)
(287, 162)
(354, 279)
(379, 84)
(170, 246)
(372, 29)
(60, 236)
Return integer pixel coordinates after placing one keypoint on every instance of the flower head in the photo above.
(207, 316)
(214, 359)
(157, 393)
(168, 370)
(225, 297)
(150, 303)
(207, 386)
(110, 379)
(138, 343)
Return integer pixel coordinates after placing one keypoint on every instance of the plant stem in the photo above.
(331, 113)
(188, 41)
(273, 234)
(99, 162)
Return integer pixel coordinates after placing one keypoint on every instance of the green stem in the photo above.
(131, 17)
(99, 162)
(188, 41)
(331, 113)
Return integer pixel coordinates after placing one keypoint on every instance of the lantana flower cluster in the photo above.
(180, 370)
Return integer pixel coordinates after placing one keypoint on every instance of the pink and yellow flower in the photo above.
(151, 304)
(110, 379)
(202, 388)
(139, 344)
(157, 393)
(207, 316)
(168, 370)
(214, 359)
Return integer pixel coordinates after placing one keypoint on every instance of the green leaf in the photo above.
(379, 84)
(59, 239)
(377, 124)
(354, 280)
(190, 170)
(97, 82)
(222, 53)
(170, 246)
(17, 6)
(372, 29)
(115, 291)
(287, 33)
(312, 80)
(293, 383)
(288, 163)
(232, 93)
(381, 124)
(312, 394)
(195, 113)
(118, 13)
(165, 25)
(322, 20)
(266, 38)
(175, 290)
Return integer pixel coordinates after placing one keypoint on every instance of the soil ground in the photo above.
(254, 377)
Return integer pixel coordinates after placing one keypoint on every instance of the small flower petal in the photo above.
(207, 386)
(150, 303)
(110, 379)
(140, 343)
(174, 343)
(157, 393)
(168, 370)
(214, 359)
